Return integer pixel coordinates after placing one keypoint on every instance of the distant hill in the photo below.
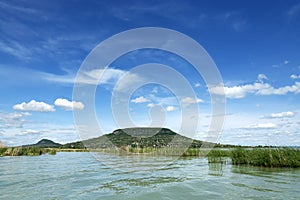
(139, 137)
(45, 143)
(132, 137)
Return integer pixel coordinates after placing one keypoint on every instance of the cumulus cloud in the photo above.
(68, 105)
(258, 88)
(189, 100)
(263, 126)
(34, 106)
(281, 115)
(293, 76)
(236, 92)
(270, 90)
(140, 99)
(170, 108)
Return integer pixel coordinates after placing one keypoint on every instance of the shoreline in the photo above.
(255, 156)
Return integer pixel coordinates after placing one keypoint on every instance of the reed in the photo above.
(25, 151)
(266, 157)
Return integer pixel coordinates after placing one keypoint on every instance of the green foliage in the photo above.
(52, 151)
(140, 138)
(45, 143)
(25, 151)
(266, 157)
(2, 151)
(213, 159)
(31, 151)
(219, 153)
(73, 145)
(192, 152)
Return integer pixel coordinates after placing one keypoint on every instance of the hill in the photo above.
(44, 143)
(138, 137)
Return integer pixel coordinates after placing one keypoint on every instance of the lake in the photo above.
(80, 175)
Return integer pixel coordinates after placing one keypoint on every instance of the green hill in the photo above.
(138, 137)
(44, 143)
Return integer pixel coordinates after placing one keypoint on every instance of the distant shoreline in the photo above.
(255, 156)
(164, 142)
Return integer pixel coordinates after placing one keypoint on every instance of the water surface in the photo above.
(81, 176)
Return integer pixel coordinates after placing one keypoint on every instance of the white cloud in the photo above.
(12, 120)
(15, 49)
(293, 76)
(262, 77)
(189, 100)
(269, 90)
(68, 105)
(258, 88)
(170, 108)
(140, 99)
(128, 81)
(236, 92)
(282, 114)
(26, 113)
(105, 76)
(30, 132)
(197, 85)
(263, 126)
(34, 106)
(247, 129)
(150, 105)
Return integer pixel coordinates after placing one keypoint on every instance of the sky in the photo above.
(43, 45)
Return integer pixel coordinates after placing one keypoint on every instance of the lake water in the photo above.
(81, 176)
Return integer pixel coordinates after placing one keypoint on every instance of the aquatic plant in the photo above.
(26, 151)
(266, 157)
(219, 153)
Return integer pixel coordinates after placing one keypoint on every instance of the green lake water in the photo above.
(82, 176)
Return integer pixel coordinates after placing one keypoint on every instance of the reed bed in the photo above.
(266, 157)
(26, 151)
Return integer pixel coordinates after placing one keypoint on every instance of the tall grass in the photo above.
(266, 157)
(25, 151)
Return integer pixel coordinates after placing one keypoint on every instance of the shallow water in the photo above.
(81, 176)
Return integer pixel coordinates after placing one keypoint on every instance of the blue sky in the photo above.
(254, 44)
